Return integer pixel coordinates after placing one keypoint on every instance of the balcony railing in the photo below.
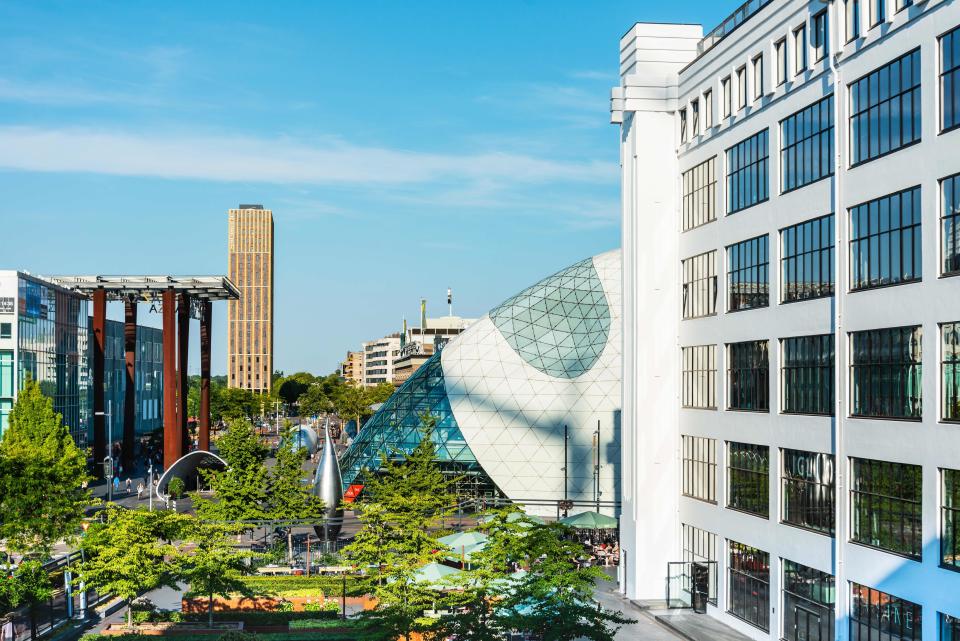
(743, 13)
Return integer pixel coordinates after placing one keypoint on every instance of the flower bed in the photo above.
(164, 629)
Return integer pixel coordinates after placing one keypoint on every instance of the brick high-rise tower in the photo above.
(250, 328)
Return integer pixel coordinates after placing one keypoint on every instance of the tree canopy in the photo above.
(290, 499)
(210, 564)
(42, 474)
(241, 490)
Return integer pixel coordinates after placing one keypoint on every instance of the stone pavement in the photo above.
(687, 624)
(645, 629)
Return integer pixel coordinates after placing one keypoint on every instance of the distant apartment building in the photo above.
(250, 319)
(378, 358)
(351, 369)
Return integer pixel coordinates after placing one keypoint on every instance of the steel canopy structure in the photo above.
(180, 298)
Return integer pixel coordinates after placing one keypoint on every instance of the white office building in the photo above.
(791, 199)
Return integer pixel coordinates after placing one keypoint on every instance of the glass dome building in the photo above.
(504, 390)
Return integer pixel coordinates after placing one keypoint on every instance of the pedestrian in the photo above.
(128, 485)
(140, 489)
(116, 484)
(7, 632)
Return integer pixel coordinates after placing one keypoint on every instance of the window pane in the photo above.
(699, 194)
(885, 241)
(886, 506)
(747, 168)
(748, 478)
(876, 616)
(700, 468)
(748, 594)
(748, 377)
(699, 374)
(807, 372)
(882, 107)
(808, 490)
(699, 290)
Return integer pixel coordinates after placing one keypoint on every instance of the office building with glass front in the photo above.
(791, 252)
(44, 337)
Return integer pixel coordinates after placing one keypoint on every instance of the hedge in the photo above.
(288, 586)
(249, 617)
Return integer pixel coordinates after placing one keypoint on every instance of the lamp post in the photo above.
(82, 587)
(150, 487)
(108, 460)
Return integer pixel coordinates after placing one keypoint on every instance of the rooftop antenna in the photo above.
(449, 302)
(423, 316)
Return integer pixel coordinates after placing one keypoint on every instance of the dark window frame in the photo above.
(699, 203)
(741, 88)
(852, 19)
(748, 577)
(748, 266)
(949, 75)
(880, 494)
(690, 290)
(820, 34)
(808, 491)
(873, 359)
(867, 107)
(866, 619)
(798, 260)
(950, 371)
(807, 375)
(802, 133)
(949, 627)
(726, 88)
(805, 587)
(780, 61)
(950, 519)
(748, 380)
(877, 246)
(698, 363)
(950, 225)
(699, 460)
(800, 49)
(748, 479)
(748, 172)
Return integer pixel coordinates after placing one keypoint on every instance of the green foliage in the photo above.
(176, 487)
(130, 553)
(231, 403)
(210, 564)
(305, 586)
(29, 584)
(237, 635)
(405, 504)
(290, 499)
(240, 491)
(41, 476)
(345, 631)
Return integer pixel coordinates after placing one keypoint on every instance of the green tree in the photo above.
(379, 393)
(289, 498)
(30, 584)
(211, 565)
(130, 553)
(404, 505)
(554, 599)
(234, 402)
(42, 477)
(316, 401)
(240, 492)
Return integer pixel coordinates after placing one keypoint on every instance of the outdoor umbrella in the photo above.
(433, 573)
(513, 516)
(590, 521)
(458, 540)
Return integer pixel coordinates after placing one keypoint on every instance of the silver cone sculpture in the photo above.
(328, 485)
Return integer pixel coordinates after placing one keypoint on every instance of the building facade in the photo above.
(352, 368)
(790, 207)
(378, 358)
(527, 399)
(250, 319)
(44, 337)
(148, 377)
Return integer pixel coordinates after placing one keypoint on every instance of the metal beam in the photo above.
(171, 431)
(99, 351)
(130, 392)
(203, 428)
(183, 351)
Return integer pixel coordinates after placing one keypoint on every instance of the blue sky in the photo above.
(404, 147)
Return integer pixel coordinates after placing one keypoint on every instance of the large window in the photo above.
(950, 221)
(700, 285)
(700, 194)
(726, 96)
(886, 109)
(806, 145)
(748, 376)
(852, 18)
(748, 478)
(808, 490)
(950, 371)
(885, 241)
(806, 374)
(700, 468)
(950, 520)
(886, 506)
(700, 377)
(748, 274)
(700, 546)
(820, 35)
(806, 260)
(950, 80)
(949, 628)
(747, 169)
(808, 603)
(748, 596)
(886, 372)
(877, 616)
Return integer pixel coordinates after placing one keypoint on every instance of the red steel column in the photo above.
(130, 393)
(203, 428)
(99, 404)
(171, 431)
(183, 350)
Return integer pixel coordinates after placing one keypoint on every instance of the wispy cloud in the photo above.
(67, 95)
(594, 75)
(274, 160)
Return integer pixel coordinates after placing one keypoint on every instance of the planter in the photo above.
(173, 629)
(262, 604)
